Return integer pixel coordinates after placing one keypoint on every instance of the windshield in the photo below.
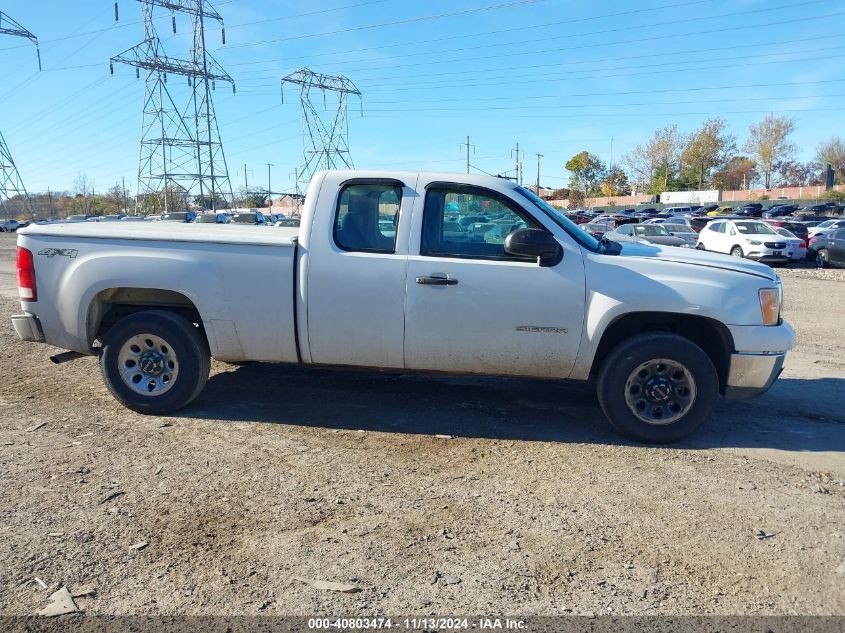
(755, 228)
(557, 216)
(677, 228)
(651, 229)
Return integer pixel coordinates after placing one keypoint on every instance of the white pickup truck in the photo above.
(408, 272)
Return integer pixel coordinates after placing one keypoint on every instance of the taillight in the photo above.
(26, 275)
(803, 244)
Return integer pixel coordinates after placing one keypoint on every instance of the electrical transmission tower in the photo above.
(11, 184)
(325, 133)
(181, 151)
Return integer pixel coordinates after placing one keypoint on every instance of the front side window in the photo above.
(463, 221)
(367, 216)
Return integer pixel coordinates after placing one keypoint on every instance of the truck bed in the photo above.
(169, 232)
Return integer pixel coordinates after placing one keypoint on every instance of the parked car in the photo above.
(750, 210)
(815, 209)
(753, 239)
(221, 217)
(669, 212)
(79, 217)
(683, 231)
(795, 246)
(797, 228)
(105, 218)
(249, 217)
(9, 226)
(178, 216)
(660, 331)
(290, 222)
(645, 234)
(595, 229)
(707, 209)
(826, 227)
(780, 210)
(828, 249)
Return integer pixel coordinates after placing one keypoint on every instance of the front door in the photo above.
(472, 308)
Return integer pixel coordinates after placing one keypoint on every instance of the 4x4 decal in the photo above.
(61, 252)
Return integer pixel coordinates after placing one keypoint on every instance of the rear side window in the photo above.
(367, 216)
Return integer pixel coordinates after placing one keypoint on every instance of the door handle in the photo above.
(437, 279)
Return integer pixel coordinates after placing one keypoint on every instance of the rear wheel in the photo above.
(657, 387)
(155, 361)
(822, 258)
(736, 251)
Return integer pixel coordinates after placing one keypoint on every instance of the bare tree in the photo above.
(657, 157)
(768, 141)
(832, 152)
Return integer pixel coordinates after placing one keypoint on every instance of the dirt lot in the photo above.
(278, 472)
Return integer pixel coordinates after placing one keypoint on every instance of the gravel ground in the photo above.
(431, 495)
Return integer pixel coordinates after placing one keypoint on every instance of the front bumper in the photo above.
(751, 375)
(28, 328)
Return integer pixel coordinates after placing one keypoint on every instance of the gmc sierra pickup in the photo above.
(412, 272)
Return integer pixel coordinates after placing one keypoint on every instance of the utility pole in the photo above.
(515, 152)
(246, 180)
(539, 156)
(181, 149)
(269, 191)
(50, 197)
(325, 131)
(468, 146)
(123, 180)
(611, 154)
(11, 184)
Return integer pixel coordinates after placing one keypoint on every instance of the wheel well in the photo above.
(109, 306)
(710, 335)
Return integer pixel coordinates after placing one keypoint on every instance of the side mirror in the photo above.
(535, 243)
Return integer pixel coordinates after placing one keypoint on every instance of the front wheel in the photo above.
(155, 361)
(657, 387)
(736, 251)
(822, 258)
(700, 247)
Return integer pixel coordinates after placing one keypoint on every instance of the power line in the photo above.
(367, 27)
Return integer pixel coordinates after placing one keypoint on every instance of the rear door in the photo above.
(355, 258)
(471, 307)
(837, 247)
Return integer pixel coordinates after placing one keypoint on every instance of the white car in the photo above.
(752, 239)
(826, 227)
(796, 246)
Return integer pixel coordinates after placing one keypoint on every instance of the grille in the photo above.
(775, 245)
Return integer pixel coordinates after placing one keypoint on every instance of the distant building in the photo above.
(289, 204)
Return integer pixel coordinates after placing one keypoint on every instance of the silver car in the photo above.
(645, 234)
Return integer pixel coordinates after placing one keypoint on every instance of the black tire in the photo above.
(700, 247)
(186, 346)
(736, 251)
(822, 258)
(629, 355)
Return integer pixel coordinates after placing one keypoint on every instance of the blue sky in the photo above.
(556, 76)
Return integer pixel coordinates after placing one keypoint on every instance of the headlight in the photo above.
(770, 305)
(754, 242)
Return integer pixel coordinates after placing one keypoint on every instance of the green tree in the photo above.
(615, 183)
(768, 141)
(587, 171)
(740, 172)
(705, 150)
